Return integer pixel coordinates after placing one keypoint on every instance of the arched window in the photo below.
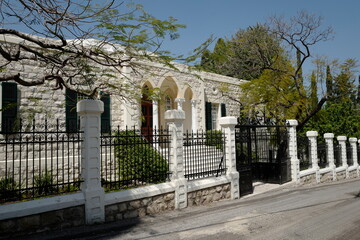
(168, 103)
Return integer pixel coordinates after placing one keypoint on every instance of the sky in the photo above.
(204, 18)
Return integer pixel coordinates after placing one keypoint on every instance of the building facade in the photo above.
(198, 94)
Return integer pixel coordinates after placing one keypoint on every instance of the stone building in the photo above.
(197, 93)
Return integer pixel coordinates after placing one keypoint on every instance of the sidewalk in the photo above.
(81, 232)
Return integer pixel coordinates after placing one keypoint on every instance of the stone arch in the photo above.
(187, 107)
(169, 92)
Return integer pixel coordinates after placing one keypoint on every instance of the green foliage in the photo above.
(44, 183)
(138, 159)
(245, 55)
(8, 188)
(215, 138)
(313, 91)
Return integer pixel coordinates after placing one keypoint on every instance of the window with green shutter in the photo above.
(208, 116)
(105, 116)
(223, 110)
(70, 110)
(9, 108)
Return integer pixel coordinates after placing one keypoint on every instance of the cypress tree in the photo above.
(329, 82)
(313, 88)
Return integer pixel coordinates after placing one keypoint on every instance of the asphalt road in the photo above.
(327, 211)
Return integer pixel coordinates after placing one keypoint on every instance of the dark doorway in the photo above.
(147, 115)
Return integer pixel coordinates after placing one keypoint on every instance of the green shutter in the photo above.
(9, 106)
(105, 116)
(208, 117)
(70, 109)
(223, 110)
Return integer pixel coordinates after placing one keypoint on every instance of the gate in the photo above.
(261, 155)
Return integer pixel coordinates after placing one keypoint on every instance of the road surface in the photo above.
(327, 211)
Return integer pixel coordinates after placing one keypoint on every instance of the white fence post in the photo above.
(175, 120)
(342, 143)
(295, 163)
(90, 112)
(312, 136)
(353, 143)
(228, 126)
(329, 139)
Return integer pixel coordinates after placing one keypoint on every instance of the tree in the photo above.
(329, 82)
(78, 42)
(313, 91)
(245, 55)
(341, 114)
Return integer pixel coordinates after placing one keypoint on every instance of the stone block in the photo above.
(29, 223)
(131, 214)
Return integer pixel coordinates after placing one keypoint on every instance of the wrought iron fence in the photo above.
(132, 158)
(337, 154)
(303, 152)
(204, 154)
(349, 154)
(322, 155)
(38, 160)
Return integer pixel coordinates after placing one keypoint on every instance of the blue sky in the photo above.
(223, 18)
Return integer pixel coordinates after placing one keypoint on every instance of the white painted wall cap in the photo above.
(292, 122)
(90, 106)
(174, 115)
(228, 120)
(328, 135)
(353, 140)
(312, 134)
(341, 138)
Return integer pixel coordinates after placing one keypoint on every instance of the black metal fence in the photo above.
(303, 150)
(322, 155)
(38, 160)
(337, 154)
(204, 154)
(349, 155)
(132, 158)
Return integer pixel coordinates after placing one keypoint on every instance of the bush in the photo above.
(215, 138)
(44, 183)
(138, 159)
(8, 189)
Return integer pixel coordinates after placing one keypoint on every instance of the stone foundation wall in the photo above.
(140, 207)
(327, 177)
(309, 179)
(209, 195)
(47, 221)
(353, 174)
(341, 175)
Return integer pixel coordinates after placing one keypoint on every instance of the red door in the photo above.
(147, 119)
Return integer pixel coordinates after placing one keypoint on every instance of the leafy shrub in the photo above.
(44, 183)
(215, 138)
(138, 159)
(8, 189)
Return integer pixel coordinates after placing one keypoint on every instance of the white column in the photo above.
(312, 136)
(329, 140)
(194, 118)
(175, 120)
(90, 112)
(155, 114)
(179, 102)
(295, 163)
(228, 126)
(353, 143)
(342, 143)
